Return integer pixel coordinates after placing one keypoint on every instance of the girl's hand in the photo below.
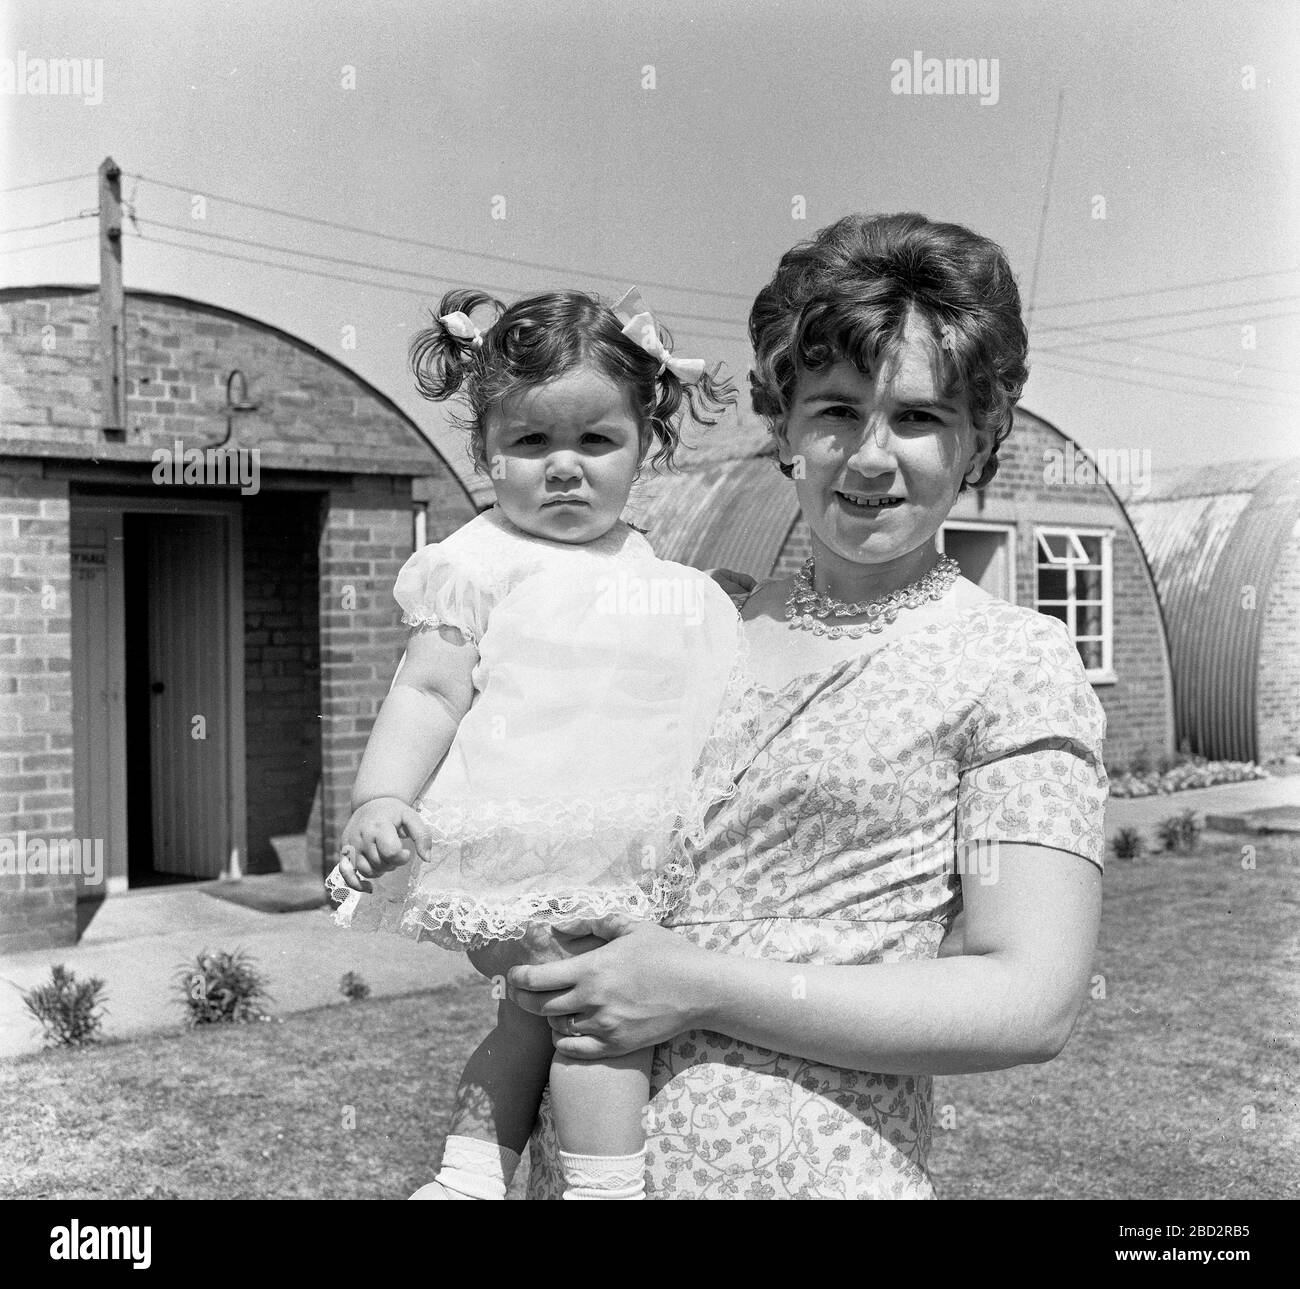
(372, 841)
(645, 986)
(736, 585)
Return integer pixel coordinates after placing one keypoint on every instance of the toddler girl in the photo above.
(578, 703)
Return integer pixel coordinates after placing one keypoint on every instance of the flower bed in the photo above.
(1196, 773)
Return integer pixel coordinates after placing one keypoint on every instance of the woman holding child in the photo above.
(925, 751)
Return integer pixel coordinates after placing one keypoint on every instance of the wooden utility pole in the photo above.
(112, 300)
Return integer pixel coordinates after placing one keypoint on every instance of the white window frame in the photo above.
(1008, 531)
(1105, 674)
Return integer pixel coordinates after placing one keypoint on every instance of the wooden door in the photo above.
(190, 693)
(99, 760)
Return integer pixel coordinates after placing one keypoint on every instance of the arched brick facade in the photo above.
(322, 538)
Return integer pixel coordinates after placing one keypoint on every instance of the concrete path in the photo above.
(1226, 799)
(137, 941)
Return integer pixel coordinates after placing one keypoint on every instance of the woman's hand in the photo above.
(539, 943)
(645, 986)
(372, 842)
(737, 585)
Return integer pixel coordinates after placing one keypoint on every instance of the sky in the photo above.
(522, 145)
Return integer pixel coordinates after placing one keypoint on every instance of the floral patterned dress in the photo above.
(873, 784)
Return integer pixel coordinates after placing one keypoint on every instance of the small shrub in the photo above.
(1140, 762)
(1193, 772)
(1179, 833)
(222, 988)
(353, 988)
(67, 1008)
(1167, 761)
(1128, 843)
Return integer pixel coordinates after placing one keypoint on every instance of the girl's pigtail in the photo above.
(442, 361)
(706, 400)
(711, 396)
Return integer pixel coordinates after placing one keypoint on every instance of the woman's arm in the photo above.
(1011, 999)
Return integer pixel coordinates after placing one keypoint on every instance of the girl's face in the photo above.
(878, 462)
(562, 456)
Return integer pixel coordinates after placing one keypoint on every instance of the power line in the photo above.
(446, 249)
(456, 281)
(337, 277)
(1179, 375)
(1170, 313)
(1193, 354)
(45, 183)
(1165, 290)
(49, 223)
(1187, 393)
(438, 278)
(43, 246)
(1174, 331)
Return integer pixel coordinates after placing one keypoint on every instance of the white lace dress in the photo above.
(609, 711)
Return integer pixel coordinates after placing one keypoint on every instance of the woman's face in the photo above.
(879, 460)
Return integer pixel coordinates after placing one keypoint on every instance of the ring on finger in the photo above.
(571, 1029)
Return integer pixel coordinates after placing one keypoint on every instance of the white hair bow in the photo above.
(640, 327)
(461, 325)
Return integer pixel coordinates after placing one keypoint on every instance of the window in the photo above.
(1073, 584)
(985, 553)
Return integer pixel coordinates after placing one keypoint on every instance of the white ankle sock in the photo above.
(477, 1169)
(603, 1176)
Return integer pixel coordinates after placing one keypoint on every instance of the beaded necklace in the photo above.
(805, 606)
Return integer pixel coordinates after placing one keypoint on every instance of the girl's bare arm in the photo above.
(417, 722)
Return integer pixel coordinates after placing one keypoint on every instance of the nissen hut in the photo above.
(1048, 532)
(1224, 542)
(201, 517)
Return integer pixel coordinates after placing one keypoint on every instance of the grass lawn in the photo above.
(1180, 1082)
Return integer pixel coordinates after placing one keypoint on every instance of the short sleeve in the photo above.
(1033, 771)
(440, 586)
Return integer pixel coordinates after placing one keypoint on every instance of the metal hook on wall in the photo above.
(235, 380)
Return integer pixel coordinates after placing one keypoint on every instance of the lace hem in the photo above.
(431, 621)
(456, 920)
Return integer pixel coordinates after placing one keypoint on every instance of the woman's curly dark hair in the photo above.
(542, 337)
(848, 292)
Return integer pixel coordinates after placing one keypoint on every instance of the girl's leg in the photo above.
(599, 1109)
(501, 1085)
(496, 1107)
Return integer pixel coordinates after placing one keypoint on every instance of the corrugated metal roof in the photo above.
(1211, 480)
(1209, 535)
(734, 514)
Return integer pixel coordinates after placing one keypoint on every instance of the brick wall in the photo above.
(1277, 696)
(281, 667)
(366, 537)
(36, 910)
(179, 356)
(797, 548)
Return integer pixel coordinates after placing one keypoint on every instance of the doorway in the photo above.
(985, 553)
(157, 623)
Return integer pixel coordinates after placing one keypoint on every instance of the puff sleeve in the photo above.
(442, 585)
(1033, 771)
